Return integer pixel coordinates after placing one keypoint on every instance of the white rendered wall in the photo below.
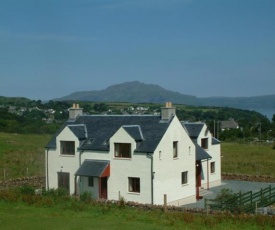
(208, 178)
(64, 163)
(167, 178)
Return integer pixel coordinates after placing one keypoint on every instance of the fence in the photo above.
(243, 202)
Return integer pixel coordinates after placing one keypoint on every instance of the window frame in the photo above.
(204, 143)
(66, 149)
(175, 150)
(122, 150)
(134, 184)
(184, 178)
(90, 181)
(212, 167)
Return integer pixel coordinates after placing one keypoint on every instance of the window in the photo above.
(204, 143)
(184, 177)
(175, 149)
(134, 184)
(67, 148)
(212, 167)
(90, 181)
(122, 150)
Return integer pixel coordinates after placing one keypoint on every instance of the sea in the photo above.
(268, 112)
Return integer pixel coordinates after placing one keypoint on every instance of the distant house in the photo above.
(230, 124)
(137, 157)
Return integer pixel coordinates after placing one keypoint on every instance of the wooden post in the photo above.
(165, 202)
(256, 207)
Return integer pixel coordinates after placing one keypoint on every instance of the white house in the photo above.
(137, 157)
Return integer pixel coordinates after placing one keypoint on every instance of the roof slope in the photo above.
(93, 168)
(193, 129)
(147, 129)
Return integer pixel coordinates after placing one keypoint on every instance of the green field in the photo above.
(72, 214)
(22, 155)
(248, 158)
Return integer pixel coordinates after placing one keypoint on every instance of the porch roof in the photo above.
(201, 154)
(94, 168)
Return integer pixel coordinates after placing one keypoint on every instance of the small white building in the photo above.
(137, 157)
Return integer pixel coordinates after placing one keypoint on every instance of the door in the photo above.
(103, 188)
(64, 180)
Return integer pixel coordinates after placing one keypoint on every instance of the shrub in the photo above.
(86, 197)
(27, 190)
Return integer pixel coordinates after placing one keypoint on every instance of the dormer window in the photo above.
(123, 150)
(67, 148)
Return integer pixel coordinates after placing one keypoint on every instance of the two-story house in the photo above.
(137, 157)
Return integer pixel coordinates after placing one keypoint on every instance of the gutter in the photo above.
(47, 168)
(152, 177)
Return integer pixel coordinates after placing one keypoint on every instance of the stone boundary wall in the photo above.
(241, 177)
(36, 182)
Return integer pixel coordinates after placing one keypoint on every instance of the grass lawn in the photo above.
(248, 158)
(22, 216)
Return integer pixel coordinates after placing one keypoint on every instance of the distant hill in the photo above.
(137, 92)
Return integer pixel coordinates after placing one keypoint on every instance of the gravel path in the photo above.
(235, 186)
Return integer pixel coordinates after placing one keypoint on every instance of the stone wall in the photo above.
(36, 182)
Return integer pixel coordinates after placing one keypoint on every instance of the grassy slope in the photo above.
(251, 159)
(22, 155)
(20, 215)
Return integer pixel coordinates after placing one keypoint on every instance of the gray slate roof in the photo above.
(193, 129)
(93, 168)
(79, 131)
(147, 129)
(201, 154)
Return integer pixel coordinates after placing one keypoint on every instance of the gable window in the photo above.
(122, 150)
(212, 167)
(134, 184)
(204, 143)
(175, 149)
(67, 148)
(90, 181)
(184, 177)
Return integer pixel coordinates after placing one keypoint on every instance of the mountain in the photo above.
(132, 92)
(136, 92)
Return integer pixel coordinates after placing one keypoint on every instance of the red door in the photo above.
(103, 187)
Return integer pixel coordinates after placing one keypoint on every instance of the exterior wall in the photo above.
(167, 176)
(139, 165)
(63, 163)
(208, 178)
(83, 186)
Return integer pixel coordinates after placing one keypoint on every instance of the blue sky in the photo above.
(51, 48)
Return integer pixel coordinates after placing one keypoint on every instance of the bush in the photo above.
(27, 190)
(86, 197)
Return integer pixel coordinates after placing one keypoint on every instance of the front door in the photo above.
(198, 179)
(103, 187)
(63, 180)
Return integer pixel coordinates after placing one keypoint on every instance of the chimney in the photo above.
(168, 111)
(75, 111)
